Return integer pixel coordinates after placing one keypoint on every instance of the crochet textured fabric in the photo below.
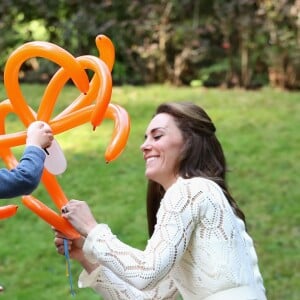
(198, 247)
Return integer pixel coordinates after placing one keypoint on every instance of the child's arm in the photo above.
(26, 176)
(23, 179)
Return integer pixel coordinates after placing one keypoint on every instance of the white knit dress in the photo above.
(199, 247)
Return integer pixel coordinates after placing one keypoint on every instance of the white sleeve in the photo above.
(111, 287)
(143, 270)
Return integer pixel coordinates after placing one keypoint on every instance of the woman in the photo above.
(198, 244)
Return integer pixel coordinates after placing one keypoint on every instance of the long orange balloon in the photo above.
(13, 139)
(5, 153)
(100, 91)
(115, 112)
(56, 84)
(8, 211)
(50, 216)
(103, 99)
(10, 139)
(120, 133)
(54, 189)
(106, 50)
(7, 156)
(53, 89)
(46, 50)
(106, 54)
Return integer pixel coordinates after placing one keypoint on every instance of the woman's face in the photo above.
(161, 149)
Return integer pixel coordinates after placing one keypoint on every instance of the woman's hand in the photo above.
(74, 246)
(80, 216)
(75, 250)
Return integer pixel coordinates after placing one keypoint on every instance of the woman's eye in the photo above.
(157, 137)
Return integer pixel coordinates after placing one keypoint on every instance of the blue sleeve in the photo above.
(23, 179)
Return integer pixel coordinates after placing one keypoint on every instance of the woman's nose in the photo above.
(145, 146)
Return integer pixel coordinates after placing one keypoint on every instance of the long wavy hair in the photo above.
(202, 155)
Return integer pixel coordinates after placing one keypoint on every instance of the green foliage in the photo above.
(214, 73)
(259, 134)
(168, 41)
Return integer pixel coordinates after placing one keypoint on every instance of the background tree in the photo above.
(282, 28)
(246, 43)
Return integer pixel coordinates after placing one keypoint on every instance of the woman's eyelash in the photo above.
(157, 137)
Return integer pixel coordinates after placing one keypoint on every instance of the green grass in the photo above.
(259, 131)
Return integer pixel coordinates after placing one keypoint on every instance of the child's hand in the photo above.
(39, 134)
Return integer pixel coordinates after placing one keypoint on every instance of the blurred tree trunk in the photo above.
(283, 52)
(237, 22)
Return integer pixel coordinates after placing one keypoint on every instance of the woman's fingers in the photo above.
(59, 244)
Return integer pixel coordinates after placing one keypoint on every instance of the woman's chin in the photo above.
(150, 176)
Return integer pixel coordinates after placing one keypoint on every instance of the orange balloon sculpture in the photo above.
(92, 105)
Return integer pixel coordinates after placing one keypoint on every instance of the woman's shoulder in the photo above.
(198, 182)
(195, 185)
(202, 196)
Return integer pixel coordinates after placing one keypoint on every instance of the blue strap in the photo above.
(68, 266)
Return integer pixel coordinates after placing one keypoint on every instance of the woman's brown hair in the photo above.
(202, 155)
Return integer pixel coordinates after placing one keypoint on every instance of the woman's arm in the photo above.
(105, 282)
(140, 269)
(111, 287)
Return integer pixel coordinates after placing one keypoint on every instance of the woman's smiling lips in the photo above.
(149, 159)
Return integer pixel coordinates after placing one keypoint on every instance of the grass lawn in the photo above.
(259, 131)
